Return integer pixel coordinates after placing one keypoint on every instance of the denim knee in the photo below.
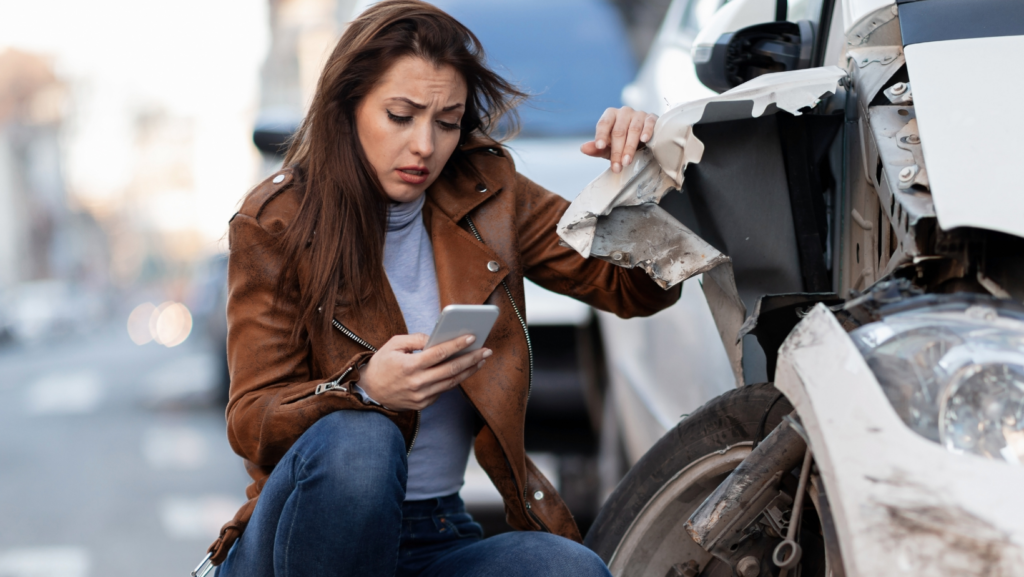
(361, 453)
(546, 555)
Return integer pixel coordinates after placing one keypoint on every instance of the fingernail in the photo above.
(600, 145)
(470, 339)
(645, 137)
(616, 167)
(626, 159)
(480, 365)
(488, 353)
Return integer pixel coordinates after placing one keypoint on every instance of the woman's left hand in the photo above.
(619, 132)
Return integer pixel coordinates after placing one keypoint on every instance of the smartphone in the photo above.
(461, 320)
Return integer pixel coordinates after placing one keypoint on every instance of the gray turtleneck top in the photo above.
(437, 464)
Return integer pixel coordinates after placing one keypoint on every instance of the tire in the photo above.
(639, 531)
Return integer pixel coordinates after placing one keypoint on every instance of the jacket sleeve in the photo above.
(271, 400)
(625, 292)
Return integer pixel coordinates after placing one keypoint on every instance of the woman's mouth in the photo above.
(413, 174)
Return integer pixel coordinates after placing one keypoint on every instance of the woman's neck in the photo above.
(402, 214)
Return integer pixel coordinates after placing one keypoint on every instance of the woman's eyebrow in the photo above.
(419, 106)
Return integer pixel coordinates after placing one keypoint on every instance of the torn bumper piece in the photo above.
(653, 239)
(648, 237)
(643, 182)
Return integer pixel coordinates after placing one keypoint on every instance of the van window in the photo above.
(573, 55)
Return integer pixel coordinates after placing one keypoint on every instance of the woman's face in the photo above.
(409, 125)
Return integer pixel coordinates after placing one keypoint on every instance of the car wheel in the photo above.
(640, 530)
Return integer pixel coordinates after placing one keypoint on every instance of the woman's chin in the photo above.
(404, 192)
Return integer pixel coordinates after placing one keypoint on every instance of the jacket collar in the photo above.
(457, 196)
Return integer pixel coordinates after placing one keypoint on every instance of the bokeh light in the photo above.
(138, 323)
(168, 324)
(173, 324)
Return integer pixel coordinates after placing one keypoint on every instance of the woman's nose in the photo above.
(423, 140)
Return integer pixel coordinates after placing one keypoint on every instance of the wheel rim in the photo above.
(657, 538)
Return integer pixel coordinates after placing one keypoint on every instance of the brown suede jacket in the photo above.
(274, 394)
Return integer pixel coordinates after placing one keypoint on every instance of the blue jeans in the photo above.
(334, 506)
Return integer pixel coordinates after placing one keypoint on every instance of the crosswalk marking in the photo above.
(64, 393)
(44, 562)
(197, 517)
(175, 448)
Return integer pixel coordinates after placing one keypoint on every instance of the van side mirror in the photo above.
(736, 57)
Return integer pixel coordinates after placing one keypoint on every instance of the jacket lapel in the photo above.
(461, 261)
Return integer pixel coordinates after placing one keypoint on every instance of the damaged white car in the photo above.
(850, 204)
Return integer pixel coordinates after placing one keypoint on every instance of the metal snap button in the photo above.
(493, 266)
(481, 188)
(538, 495)
(278, 179)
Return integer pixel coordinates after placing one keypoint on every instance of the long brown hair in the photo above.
(338, 233)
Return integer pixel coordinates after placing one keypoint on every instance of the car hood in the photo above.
(970, 144)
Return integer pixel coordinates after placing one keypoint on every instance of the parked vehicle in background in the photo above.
(855, 228)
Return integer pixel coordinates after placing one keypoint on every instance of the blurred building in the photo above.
(46, 246)
(302, 35)
(40, 237)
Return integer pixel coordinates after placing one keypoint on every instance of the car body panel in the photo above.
(665, 366)
(972, 161)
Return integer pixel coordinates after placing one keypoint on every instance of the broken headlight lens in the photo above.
(955, 376)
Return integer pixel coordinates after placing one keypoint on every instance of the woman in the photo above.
(395, 203)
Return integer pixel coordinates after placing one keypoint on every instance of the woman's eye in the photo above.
(399, 119)
(449, 125)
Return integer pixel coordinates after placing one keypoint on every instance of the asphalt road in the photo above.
(113, 459)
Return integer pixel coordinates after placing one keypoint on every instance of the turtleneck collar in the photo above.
(402, 214)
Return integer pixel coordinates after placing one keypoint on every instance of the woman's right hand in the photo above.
(402, 380)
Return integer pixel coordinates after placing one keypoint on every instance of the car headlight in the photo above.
(955, 375)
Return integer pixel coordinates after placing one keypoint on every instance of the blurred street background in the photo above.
(126, 143)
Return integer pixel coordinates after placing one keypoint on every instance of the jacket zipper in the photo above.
(519, 315)
(344, 330)
(529, 351)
